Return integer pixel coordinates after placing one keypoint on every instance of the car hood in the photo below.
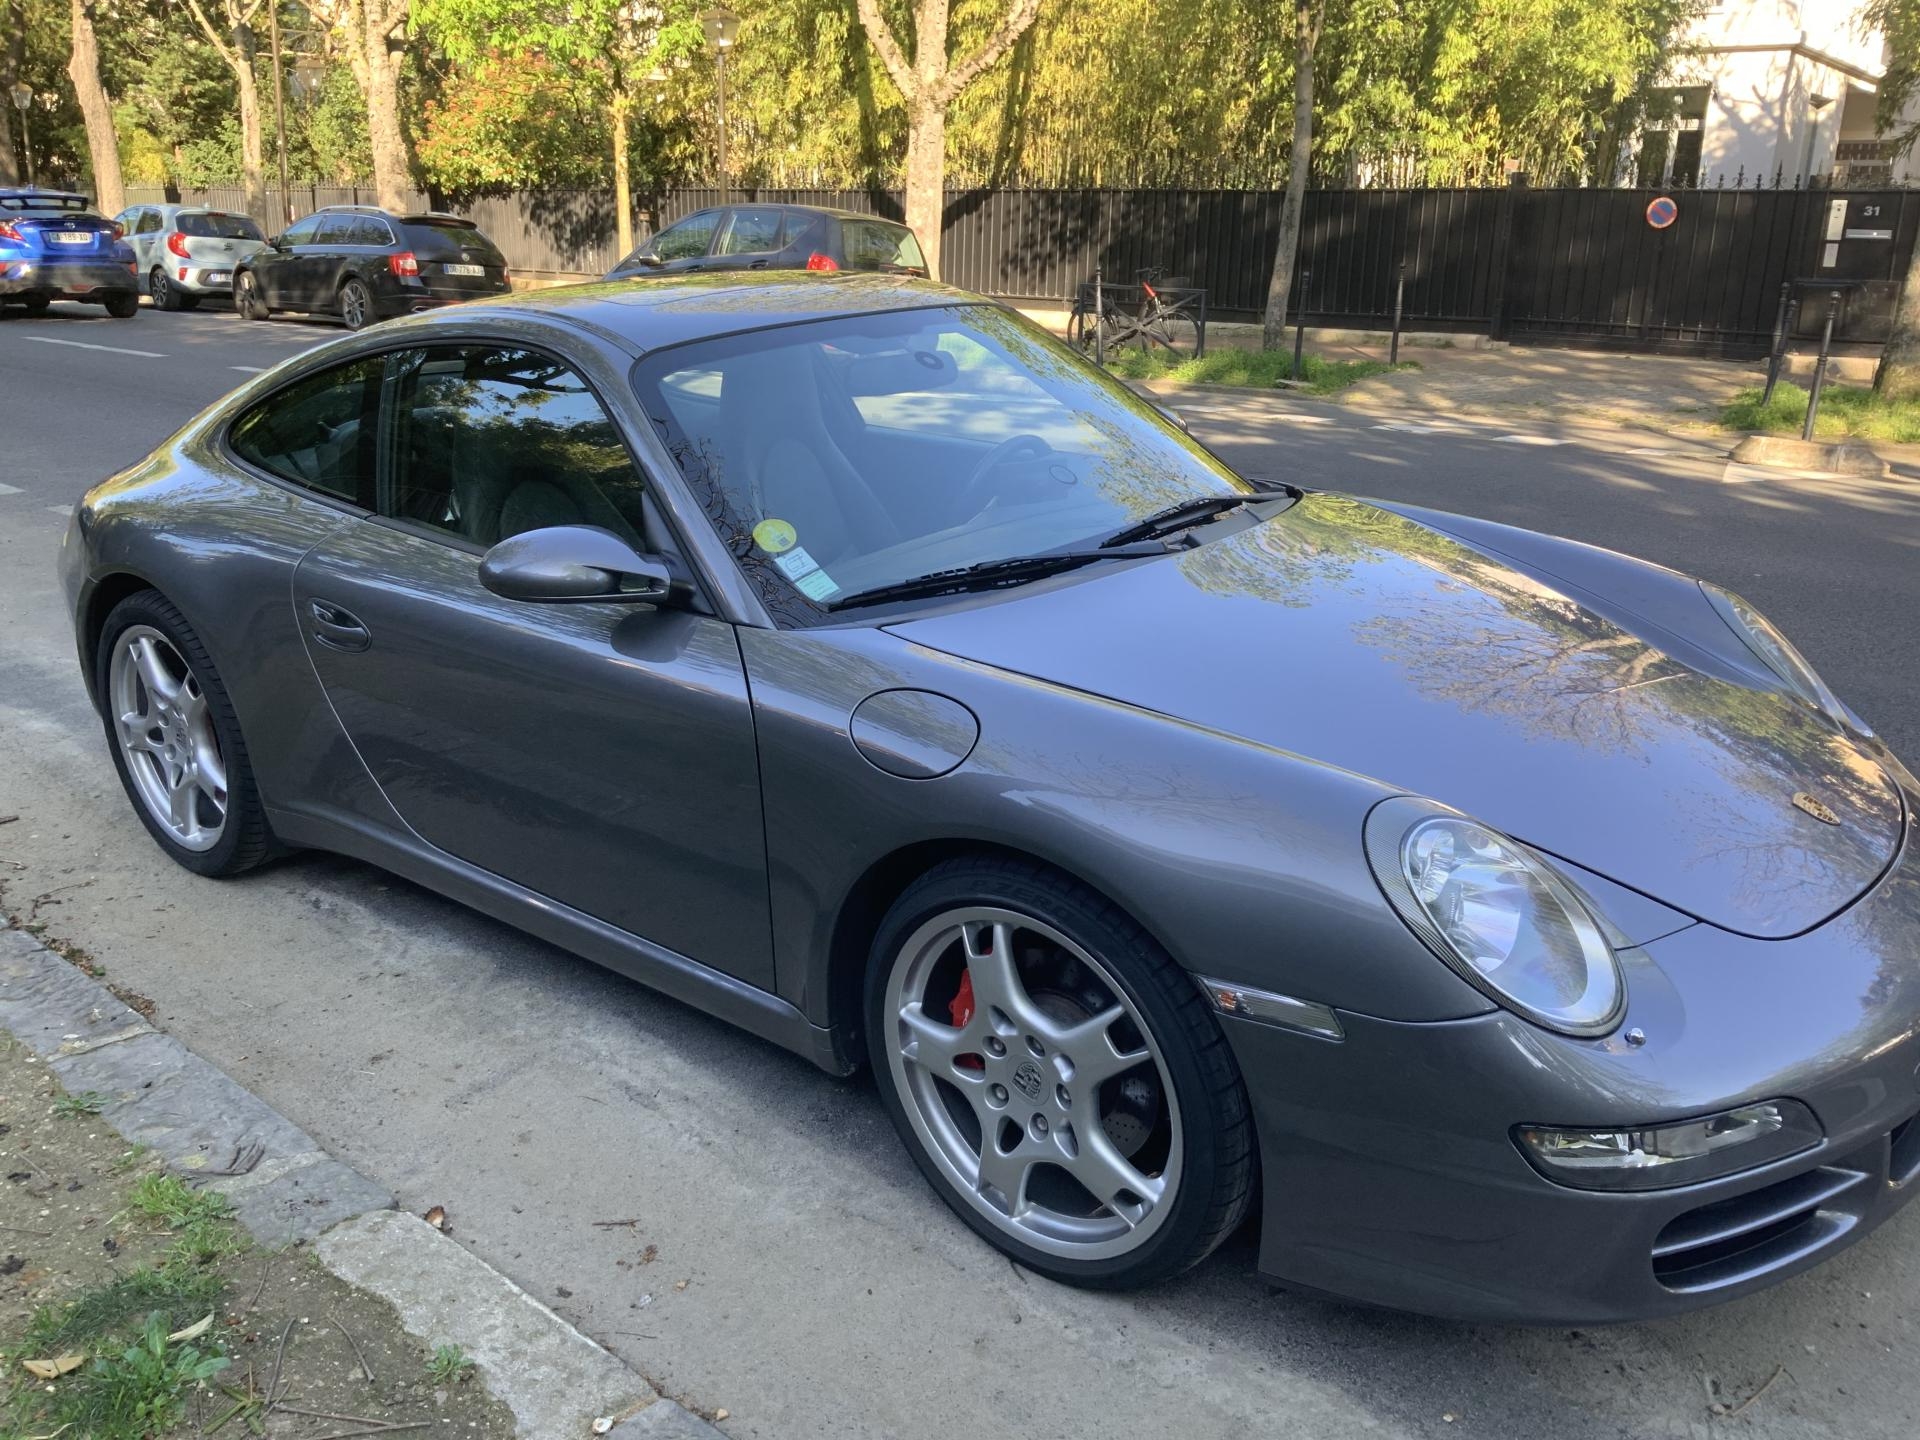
(1353, 636)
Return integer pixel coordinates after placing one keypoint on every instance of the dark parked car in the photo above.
(364, 264)
(54, 247)
(1526, 928)
(776, 237)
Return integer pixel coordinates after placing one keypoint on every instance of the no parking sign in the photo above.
(1662, 212)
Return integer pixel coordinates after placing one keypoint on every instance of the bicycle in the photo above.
(1164, 315)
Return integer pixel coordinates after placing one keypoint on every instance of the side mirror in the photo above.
(570, 564)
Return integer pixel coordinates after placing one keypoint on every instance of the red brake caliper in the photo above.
(960, 1012)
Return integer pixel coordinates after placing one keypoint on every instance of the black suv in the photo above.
(364, 264)
(776, 237)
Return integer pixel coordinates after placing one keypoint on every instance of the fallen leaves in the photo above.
(54, 1369)
(437, 1217)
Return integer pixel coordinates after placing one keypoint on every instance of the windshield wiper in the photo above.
(988, 574)
(1176, 517)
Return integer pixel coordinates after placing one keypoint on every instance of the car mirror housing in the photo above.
(572, 564)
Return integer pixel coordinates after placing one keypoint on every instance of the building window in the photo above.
(1671, 135)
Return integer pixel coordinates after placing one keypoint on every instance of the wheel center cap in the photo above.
(1027, 1080)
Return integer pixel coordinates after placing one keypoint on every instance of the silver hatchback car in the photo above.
(186, 252)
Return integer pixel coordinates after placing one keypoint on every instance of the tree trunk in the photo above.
(926, 178)
(1898, 377)
(252, 144)
(622, 171)
(391, 181)
(12, 170)
(83, 67)
(1306, 22)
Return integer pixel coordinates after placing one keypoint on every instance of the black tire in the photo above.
(356, 305)
(1219, 1163)
(246, 840)
(188, 300)
(162, 291)
(1080, 331)
(1180, 334)
(246, 297)
(37, 304)
(124, 306)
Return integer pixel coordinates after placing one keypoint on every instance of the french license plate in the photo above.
(218, 277)
(465, 269)
(70, 237)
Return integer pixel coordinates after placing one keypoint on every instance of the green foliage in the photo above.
(448, 1363)
(139, 1392)
(1899, 21)
(1261, 369)
(74, 1105)
(515, 123)
(1845, 411)
(179, 1294)
(200, 1221)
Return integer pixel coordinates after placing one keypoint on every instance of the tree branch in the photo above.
(395, 13)
(232, 57)
(881, 34)
(1020, 14)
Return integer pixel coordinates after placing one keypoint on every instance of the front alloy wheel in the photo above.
(1057, 1076)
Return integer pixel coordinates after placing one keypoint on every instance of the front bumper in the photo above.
(1391, 1176)
(72, 280)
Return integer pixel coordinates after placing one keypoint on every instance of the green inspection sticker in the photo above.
(776, 537)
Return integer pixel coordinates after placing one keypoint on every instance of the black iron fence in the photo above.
(1578, 266)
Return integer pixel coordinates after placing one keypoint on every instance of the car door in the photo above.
(146, 235)
(276, 269)
(682, 247)
(602, 754)
(324, 260)
(748, 240)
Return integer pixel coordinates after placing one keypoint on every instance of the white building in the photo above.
(1765, 87)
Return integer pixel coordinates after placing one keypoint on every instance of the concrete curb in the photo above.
(286, 1190)
(1784, 452)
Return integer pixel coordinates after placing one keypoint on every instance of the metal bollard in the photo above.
(1099, 320)
(1778, 352)
(1399, 308)
(1820, 366)
(1300, 322)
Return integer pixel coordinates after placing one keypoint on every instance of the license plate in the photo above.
(464, 269)
(70, 237)
(218, 277)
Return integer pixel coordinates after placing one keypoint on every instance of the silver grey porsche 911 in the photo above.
(1523, 931)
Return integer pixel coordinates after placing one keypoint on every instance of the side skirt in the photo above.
(667, 971)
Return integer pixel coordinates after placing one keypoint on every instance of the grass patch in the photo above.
(200, 1221)
(139, 1391)
(73, 1106)
(1845, 410)
(448, 1363)
(1257, 369)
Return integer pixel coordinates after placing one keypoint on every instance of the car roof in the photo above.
(420, 217)
(827, 210)
(653, 312)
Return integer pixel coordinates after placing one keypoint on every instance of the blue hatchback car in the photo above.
(53, 247)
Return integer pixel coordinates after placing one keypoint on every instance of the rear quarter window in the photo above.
(219, 227)
(319, 433)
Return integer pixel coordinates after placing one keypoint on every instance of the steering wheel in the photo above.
(1031, 446)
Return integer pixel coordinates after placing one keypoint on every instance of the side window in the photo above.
(335, 230)
(688, 239)
(301, 232)
(493, 441)
(751, 232)
(370, 230)
(149, 222)
(318, 433)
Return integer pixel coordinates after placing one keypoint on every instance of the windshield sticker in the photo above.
(776, 537)
(795, 563)
(816, 585)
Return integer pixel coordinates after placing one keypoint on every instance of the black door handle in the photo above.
(338, 629)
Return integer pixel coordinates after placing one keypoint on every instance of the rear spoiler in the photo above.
(435, 217)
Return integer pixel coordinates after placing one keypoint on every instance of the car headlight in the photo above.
(1776, 652)
(1506, 922)
(1683, 1153)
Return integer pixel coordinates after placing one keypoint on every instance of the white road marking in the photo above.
(251, 369)
(1405, 429)
(83, 345)
(1306, 419)
(61, 509)
(1525, 440)
(1736, 474)
(1649, 450)
(9, 489)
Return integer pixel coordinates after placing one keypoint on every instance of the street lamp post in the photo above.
(721, 25)
(23, 102)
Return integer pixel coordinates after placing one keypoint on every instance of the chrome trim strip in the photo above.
(1265, 1006)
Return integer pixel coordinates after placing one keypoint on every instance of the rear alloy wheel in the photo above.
(246, 298)
(123, 306)
(1057, 1076)
(176, 741)
(356, 305)
(160, 290)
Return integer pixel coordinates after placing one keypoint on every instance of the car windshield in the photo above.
(844, 455)
(211, 226)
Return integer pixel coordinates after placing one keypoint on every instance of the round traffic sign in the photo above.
(1662, 212)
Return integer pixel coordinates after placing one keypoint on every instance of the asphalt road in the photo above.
(602, 1144)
